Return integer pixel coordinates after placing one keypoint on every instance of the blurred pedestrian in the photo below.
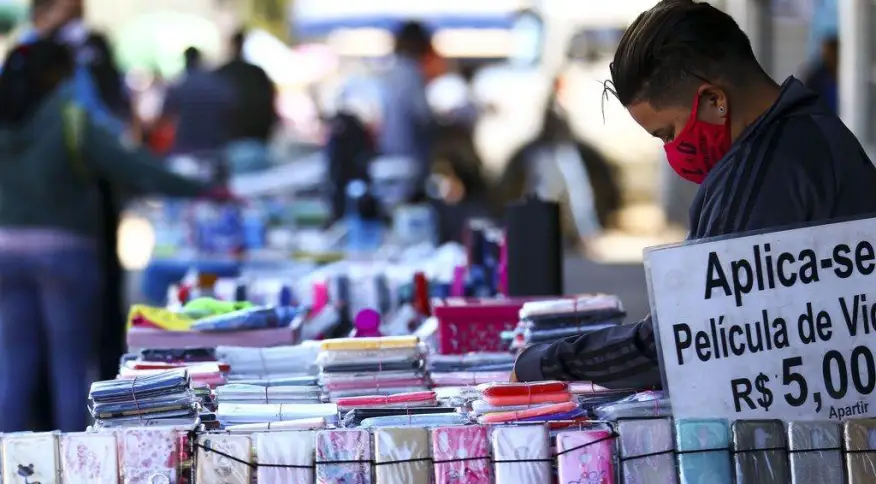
(52, 153)
(201, 106)
(255, 113)
(824, 77)
(408, 126)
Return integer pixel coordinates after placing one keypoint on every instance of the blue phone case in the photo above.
(712, 467)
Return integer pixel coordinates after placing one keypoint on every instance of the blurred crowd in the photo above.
(74, 150)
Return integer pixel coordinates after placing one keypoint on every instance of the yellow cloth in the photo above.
(160, 317)
(385, 342)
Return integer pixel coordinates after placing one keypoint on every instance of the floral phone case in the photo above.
(586, 456)
(149, 455)
(88, 458)
(461, 454)
(343, 457)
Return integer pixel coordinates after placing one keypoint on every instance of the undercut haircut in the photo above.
(673, 48)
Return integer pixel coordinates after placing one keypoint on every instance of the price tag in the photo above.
(774, 325)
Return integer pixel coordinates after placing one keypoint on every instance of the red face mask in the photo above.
(698, 147)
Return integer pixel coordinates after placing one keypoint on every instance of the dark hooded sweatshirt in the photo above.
(796, 164)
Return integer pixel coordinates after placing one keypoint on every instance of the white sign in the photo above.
(777, 325)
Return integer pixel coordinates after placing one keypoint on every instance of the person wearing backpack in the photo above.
(51, 154)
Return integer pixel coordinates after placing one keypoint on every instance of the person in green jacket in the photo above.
(51, 154)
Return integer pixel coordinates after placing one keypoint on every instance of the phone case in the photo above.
(343, 456)
(400, 455)
(149, 455)
(219, 469)
(461, 454)
(760, 451)
(31, 458)
(586, 456)
(816, 452)
(285, 448)
(644, 437)
(88, 458)
(860, 444)
(708, 442)
(527, 443)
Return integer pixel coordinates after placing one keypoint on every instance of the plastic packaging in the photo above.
(639, 405)
(214, 467)
(402, 455)
(521, 454)
(760, 451)
(31, 456)
(461, 454)
(285, 448)
(704, 451)
(859, 437)
(344, 456)
(586, 456)
(646, 451)
(815, 452)
(411, 420)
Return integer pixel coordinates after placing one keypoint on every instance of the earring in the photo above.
(721, 109)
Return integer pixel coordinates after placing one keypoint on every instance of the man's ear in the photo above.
(714, 105)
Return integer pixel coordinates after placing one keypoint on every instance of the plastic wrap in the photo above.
(521, 454)
(760, 451)
(215, 467)
(461, 454)
(358, 344)
(344, 456)
(297, 424)
(402, 455)
(558, 409)
(148, 408)
(414, 399)
(386, 355)
(640, 405)
(335, 395)
(354, 417)
(240, 393)
(154, 385)
(860, 444)
(411, 420)
(586, 456)
(646, 451)
(816, 452)
(469, 361)
(260, 363)
(31, 457)
(472, 378)
(704, 451)
(377, 365)
(285, 448)
(290, 381)
(243, 413)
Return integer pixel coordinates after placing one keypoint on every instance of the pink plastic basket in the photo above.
(472, 324)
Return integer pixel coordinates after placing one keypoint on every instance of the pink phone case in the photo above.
(457, 450)
(592, 464)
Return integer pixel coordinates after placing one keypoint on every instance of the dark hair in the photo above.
(192, 57)
(413, 39)
(107, 77)
(675, 46)
(30, 73)
(237, 41)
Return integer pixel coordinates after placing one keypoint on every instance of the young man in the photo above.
(765, 155)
